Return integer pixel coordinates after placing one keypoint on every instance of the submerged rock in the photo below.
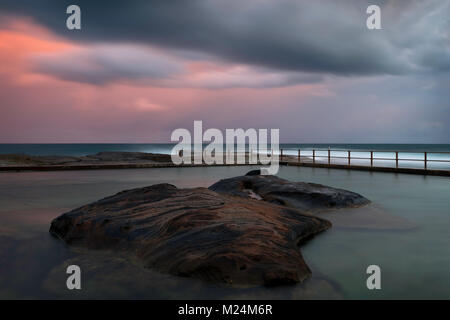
(109, 275)
(371, 217)
(300, 195)
(197, 233)
(356, 212)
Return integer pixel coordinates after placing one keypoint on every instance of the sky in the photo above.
(137, 70)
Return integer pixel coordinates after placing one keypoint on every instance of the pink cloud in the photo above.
(40, 106)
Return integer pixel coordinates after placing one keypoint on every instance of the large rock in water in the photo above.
(300, 195)
(197, 233)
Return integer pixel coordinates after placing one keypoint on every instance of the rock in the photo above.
(300, 195)
(256, 172)
(129, 157)
(197, 233)
(356, 212)
(101, 158)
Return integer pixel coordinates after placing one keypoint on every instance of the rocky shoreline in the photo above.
(101, 158)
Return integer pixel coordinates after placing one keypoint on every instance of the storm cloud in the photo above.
(294, 35)
(139, 69)
(105, 64)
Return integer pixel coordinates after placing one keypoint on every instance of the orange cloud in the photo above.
(41, 108)
(19, 42)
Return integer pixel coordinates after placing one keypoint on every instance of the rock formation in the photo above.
(300, 195)
(224, 234)
(197, 233)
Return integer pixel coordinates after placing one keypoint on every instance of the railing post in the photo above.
(314, 156)
(425, 160)
(371, 158)
(299, 158)
(348, 157)
(396, 159)
(329, 156)
(281, 154)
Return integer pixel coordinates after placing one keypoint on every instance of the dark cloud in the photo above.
(321, 36)
(143, 65)
(102, 64)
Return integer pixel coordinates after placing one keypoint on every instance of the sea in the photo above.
(409, 242)
(80, 149)
(410, 155)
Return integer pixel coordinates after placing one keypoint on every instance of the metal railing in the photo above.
(313, 157)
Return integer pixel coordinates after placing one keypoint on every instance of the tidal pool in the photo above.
(414, 260)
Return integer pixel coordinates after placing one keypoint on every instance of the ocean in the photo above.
(411, 155)
(80, 149)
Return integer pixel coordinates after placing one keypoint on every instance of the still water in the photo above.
(414, 262)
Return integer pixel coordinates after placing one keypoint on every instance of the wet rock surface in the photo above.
(355, 211)
(300, 195)
(100, 158)
(197, 233)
